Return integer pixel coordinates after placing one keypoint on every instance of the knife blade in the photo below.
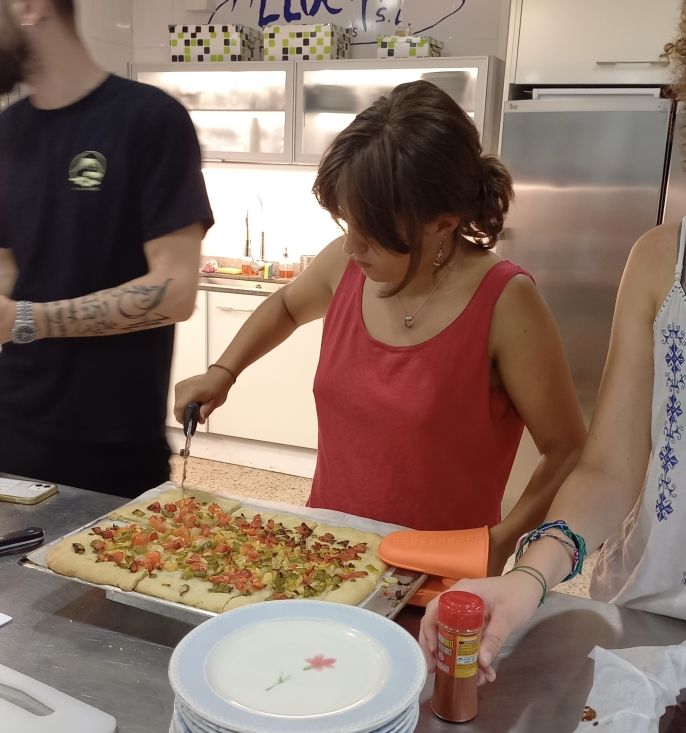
(190, 423)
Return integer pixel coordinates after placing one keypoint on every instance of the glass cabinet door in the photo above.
(241, 114)
(329, 97)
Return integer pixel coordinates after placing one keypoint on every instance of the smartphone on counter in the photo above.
(25, 491)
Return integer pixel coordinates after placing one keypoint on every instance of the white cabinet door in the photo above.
(594, 41)
(330, 94)
(190, 352)
(241, 113)
(272, 400)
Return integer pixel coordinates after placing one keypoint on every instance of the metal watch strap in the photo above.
(24, 330)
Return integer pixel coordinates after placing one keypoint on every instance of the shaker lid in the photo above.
(460, 610)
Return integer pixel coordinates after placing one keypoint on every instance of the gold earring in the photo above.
(438, 259)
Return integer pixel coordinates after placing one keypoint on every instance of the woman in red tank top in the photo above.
(435, 352)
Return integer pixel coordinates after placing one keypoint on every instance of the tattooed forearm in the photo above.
(130, 307)
(55, 319)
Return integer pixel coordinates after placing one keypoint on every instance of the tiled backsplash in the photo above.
(288, 211)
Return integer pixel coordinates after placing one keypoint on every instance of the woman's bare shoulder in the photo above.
(651, 265)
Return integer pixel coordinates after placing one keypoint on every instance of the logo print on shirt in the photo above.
(87, 170)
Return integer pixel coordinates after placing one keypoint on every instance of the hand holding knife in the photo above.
(190, 423)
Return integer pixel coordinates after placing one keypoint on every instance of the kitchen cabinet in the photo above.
(590, 42)
(328, 95)
(269, 112)
(272, 400)
(190, 353)
(241, 113)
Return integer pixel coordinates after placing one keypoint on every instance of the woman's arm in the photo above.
(528, 356)
(299, 302)
(603, 488)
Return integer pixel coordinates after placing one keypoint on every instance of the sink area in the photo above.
(242, 284)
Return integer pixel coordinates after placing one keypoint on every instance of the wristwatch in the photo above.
(24, 331)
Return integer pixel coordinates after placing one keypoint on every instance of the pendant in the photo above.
(409, 321)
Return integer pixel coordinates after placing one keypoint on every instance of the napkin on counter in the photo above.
(4, 619)
(633, 687)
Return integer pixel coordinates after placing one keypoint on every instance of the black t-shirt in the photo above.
(82, 188)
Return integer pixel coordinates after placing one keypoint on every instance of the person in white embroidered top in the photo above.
(628, 491)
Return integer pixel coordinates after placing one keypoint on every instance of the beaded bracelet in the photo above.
(579, 550)
(227, 370)
(534, 573)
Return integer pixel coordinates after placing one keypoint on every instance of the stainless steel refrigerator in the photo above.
(592, 172)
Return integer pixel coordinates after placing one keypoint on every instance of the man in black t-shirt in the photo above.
(102, 211)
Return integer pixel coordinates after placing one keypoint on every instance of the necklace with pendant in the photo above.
(408, 318)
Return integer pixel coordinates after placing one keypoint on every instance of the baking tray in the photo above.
(391, 594)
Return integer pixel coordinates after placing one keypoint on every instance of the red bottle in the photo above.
(460, 621)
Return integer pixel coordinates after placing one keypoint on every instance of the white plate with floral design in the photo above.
(297, 667)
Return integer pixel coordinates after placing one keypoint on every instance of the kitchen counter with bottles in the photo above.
(115, 657)
(237, 284)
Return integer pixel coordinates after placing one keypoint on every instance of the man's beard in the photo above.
(14, 54)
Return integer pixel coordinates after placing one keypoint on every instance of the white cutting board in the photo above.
(69, 714)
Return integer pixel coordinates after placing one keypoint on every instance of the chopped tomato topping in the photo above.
(354, 574)
(158, 522)
(117, 556)
(171, 508)
(155, 507)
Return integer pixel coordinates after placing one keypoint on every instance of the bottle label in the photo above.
(458, 654)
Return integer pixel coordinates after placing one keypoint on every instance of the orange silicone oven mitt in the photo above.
(457, 553)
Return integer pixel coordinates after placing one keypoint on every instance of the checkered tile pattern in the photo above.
(404, 47)
(214, 43)
(306, 42)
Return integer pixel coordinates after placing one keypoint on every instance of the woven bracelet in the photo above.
(542, 531)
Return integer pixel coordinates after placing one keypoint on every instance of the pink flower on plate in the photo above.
(320, 662)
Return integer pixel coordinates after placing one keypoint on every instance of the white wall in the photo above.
(467, 27)
(106, 27)
(290, 215)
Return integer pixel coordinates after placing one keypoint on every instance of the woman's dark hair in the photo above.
(409, 158)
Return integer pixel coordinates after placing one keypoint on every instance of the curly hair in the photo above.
(675, 53)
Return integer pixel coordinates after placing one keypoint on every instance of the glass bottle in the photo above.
(460, 621)
(286, 266)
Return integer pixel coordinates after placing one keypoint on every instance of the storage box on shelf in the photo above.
(407, 47)
(214, 43)
(306, 42)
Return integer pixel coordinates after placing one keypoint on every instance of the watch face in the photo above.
(23, 333)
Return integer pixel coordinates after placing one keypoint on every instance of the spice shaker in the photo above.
(460, 621)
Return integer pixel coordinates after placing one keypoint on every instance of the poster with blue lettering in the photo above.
(466, 27)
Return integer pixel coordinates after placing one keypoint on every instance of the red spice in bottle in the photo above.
(460, 620)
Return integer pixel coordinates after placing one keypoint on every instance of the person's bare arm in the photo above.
(8, 271)
(603, 488)
(301, 301)
(533, 370)
(164, 295)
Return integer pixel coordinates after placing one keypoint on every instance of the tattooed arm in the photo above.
(165, 295)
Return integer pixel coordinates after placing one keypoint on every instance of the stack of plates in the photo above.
(297, 667)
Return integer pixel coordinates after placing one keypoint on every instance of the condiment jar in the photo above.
(460, 621)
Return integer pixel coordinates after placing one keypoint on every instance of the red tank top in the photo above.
(413, 435)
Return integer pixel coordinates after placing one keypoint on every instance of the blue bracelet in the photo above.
(579, 550)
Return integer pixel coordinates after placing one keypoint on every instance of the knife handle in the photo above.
(22, 539)
(190, 418)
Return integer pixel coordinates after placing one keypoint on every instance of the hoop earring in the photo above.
(440, 255)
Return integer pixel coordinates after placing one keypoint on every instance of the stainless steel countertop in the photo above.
(115, 657)
(246, 286)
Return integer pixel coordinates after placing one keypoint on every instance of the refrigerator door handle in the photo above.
(654, 62)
